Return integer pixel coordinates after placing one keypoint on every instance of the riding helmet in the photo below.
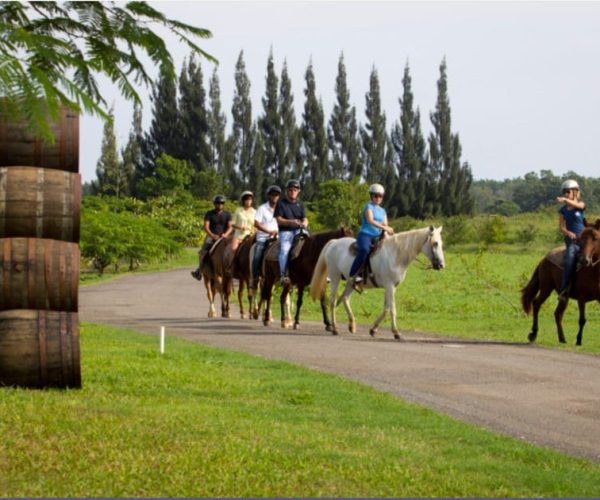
(376, 189)
(246, 194)
(293, 183)
(273, 189)
(569, 184)
(219, 199)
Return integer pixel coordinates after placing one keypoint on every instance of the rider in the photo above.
(291, 219)
(266, 228)
(374, 221)
(217, 224)
(243, 221)
(570, 225)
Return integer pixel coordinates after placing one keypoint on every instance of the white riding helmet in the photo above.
(376, 189)
(245, 194)
(569, 184)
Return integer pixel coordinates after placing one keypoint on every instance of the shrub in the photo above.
(495, 230)
(458, 229)
(340, 203)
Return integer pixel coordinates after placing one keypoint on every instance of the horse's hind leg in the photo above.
(298, 307)
(210, 294)
(346, 300)
(241, 297)
(332, 304)
(558, 317)
(286, 319)
(387, 307)
(537, 304)
(395, 331)
(328, 327)
(581, 305)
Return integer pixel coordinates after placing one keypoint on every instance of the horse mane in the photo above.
(407, 243)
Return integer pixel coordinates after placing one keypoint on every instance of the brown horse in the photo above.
(216, 280)
(300, 272)
(241, 272)
(547, 276)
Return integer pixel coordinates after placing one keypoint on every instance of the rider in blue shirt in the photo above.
(570, 224)
(374, 221)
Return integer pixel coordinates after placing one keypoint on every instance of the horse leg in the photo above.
(581, 304)
(286, 320)
(332, 304)
(395, 331)
(241, 297)
(325, 314)
(387, 307)
(537, 304)
(267, 294)
(210, 294)
(298, 306)
(558, 316)
(346, 301)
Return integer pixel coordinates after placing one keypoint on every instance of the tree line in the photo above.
(188, 148)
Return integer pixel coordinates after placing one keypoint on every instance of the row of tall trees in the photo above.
(422, 177)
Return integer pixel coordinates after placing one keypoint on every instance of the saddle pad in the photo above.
(272, 252)
(556, 256)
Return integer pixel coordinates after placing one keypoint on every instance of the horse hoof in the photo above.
(329, 328)
(211, 314)
(399, 337)
(334, 332)
(531, 337)
(296, 325)
(266, 323)
(372, 332)
(352, 329)
(562, 341)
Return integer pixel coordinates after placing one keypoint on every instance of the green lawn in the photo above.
(205, 422)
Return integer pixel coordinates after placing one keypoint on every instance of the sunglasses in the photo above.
(377, 195)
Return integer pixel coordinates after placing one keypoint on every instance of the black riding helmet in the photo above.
(273, 189)
(219, 199)
(293, 183)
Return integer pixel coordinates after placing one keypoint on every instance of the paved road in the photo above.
(545, 396)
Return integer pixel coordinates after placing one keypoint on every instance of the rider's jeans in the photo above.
(286, 238)
(569, 263)
(259, 249)
(363, 241)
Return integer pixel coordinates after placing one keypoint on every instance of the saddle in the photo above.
(556, 256)
(272, 251)
(365, 271)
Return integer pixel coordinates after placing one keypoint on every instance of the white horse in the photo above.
(388, 266)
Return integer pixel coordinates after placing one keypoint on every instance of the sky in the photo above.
(523, 77)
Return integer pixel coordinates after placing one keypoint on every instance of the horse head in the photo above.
(433, 248)
(590, 244)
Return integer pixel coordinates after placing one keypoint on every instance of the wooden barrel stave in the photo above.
(19, 146)
(39, 202)
(39, 349)
(39, 273)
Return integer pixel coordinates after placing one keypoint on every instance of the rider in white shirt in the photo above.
(266, 228)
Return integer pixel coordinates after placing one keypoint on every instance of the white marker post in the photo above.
(162, 339)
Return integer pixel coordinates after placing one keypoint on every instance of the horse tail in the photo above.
(318, 283)
(529, 291)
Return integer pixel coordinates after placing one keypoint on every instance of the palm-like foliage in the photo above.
(51, 54)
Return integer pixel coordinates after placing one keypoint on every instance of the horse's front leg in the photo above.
(266, 295)
(581, 304)
(387, 307)
(346, 301)
(558, 317)
(298, 306)
(328, 327)
(286, 317)
(333, 304)
(241, 297)
(210, 294)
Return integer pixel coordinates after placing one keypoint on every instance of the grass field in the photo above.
(202, 422)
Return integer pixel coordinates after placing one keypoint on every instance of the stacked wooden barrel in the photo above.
(40, 198)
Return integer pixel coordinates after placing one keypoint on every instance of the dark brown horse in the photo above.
(216, 280)
(300, 273)
(241, 272)
(547, 276)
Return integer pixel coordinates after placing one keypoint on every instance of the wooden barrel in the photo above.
(39, 349)
(38, 274)
(18, 146)
(40, 203)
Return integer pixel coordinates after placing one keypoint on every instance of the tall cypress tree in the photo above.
(453, 196)
(163, 136)
(256, 181)
(409, 144)
(109, 170)
(270, 125)
(289, 136)
(216, 126)
(242, 136)
(193, 117)
(373, 134)
(132, 153)
(342, 132)
(314, 138)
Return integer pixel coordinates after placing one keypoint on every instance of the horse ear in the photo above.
(440, 228)
(431, 229)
